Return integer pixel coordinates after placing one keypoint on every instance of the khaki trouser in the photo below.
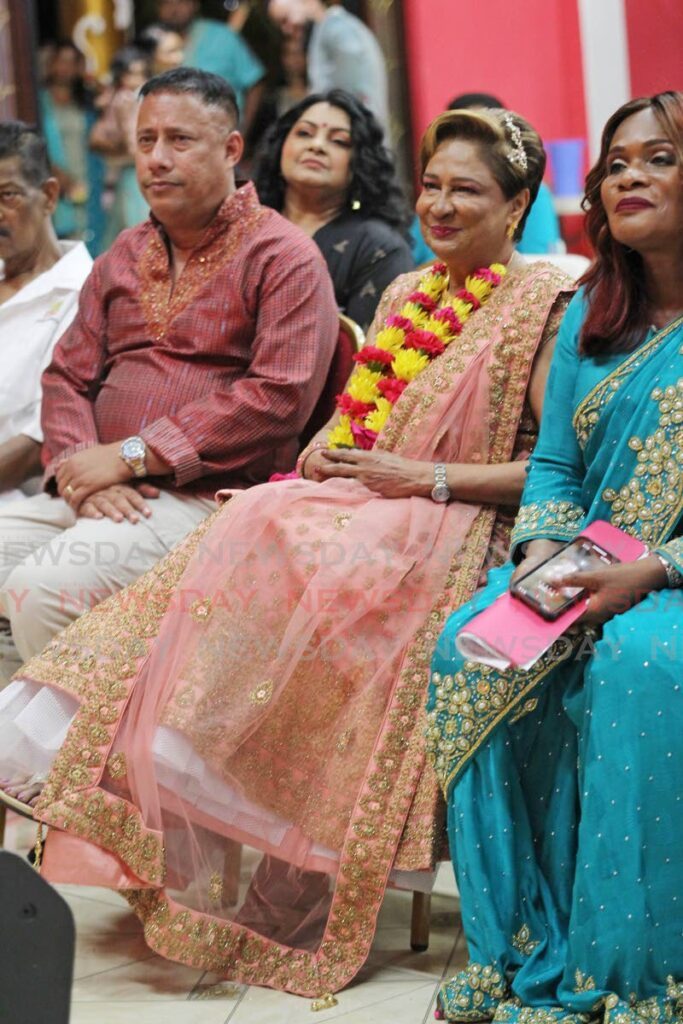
(54, 567)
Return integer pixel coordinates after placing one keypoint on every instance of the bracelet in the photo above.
(674, 578)
(301, 461)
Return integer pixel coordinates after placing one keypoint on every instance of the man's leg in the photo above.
(25, 528)
(90, 561)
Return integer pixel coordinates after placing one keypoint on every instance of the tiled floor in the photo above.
(118, 979)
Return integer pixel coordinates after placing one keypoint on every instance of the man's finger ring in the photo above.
(68, 490)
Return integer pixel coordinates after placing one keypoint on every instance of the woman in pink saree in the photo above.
(236, 741)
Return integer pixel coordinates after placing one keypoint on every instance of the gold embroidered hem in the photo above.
(469, 705)
(473, 993)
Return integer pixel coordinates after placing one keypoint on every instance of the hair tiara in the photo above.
(517, 155)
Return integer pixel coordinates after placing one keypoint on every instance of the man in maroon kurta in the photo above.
(201, 345)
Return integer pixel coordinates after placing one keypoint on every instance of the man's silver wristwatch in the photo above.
(440, 491)
(673, 576)
(133, 453)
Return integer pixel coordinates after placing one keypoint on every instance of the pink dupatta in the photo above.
(262, 688)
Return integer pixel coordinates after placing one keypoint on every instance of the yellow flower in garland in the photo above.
(428, 321)
(442, 329)
(363, 385)
(376, 420)
(416, 313)
(480, 286)
(408, 364)
(461, 308)
(433, 284)
(341, 436)
(390, 339)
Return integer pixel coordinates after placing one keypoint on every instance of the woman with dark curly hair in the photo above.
(324, 167)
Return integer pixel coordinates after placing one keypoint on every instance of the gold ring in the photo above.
(68, 491)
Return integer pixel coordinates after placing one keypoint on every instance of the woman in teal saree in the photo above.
(564, 783)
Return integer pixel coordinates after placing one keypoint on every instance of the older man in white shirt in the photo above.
(40, 279)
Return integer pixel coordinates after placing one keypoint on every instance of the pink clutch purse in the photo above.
(510, 634)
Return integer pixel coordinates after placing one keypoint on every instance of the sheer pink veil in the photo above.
(253, 727)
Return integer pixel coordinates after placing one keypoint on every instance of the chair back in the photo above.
(572, 263)
(349, 341)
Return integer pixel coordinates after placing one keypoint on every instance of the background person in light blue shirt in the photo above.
(342, 52)
(212, 46)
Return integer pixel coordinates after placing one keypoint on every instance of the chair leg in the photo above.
(3, 817)
(231, 872)
(419, 924)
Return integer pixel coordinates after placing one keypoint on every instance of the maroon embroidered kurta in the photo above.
(219, 374)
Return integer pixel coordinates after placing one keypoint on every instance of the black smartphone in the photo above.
(538, 587)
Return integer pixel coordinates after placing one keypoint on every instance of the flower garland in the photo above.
(403, 348)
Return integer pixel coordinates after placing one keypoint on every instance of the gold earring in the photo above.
(511, 230)
(355, 205)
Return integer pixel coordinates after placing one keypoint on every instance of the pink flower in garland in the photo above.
(391, 388)
(424, 300)
(486, 274)
(372, 354)
(363, 437)
(400, 321)
(349, 406)
(424, 341)
(466, 296)
(449, 316)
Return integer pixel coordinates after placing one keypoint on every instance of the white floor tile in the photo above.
(96, 918)
(100, 952)
(149, 1013)
(265, 1005)
(144, 981)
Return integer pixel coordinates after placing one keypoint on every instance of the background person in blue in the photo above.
(542, 229)
(564, 783)
(211, 46)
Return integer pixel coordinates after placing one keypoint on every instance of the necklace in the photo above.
(404, 347)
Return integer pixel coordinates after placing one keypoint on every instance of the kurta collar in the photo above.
(234, 209)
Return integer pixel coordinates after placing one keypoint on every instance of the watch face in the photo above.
(441, 492)
(133, 448)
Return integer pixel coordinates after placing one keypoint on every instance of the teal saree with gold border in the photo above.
(564, 783)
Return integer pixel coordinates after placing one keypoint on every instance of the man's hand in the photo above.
(89, 472)
(119, 502)
(391, 476)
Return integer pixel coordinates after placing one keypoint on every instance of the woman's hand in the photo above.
(536, 552)
(616, 588)
(311, 469)
(389, 475)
